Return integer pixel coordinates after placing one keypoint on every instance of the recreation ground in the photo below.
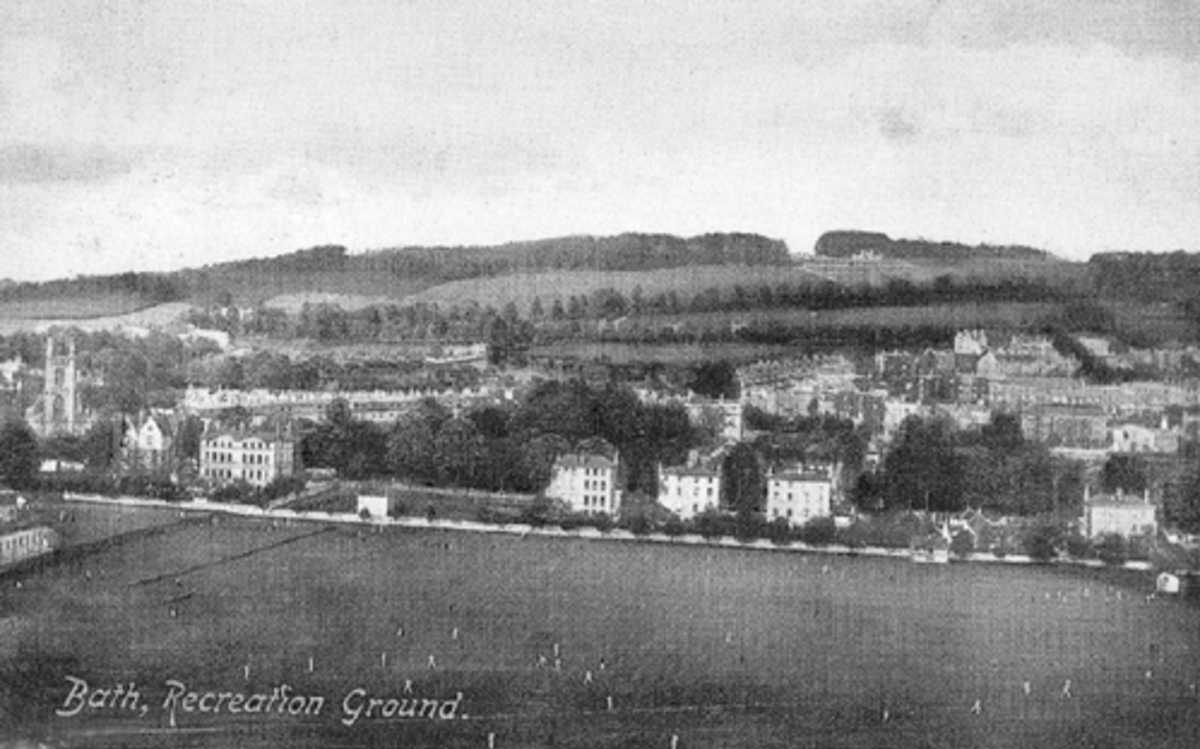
(544, 641)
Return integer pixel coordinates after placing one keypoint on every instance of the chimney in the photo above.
(1087, 493)
(1146, 496)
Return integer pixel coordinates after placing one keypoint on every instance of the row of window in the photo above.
(23, 542)
(597, 484)
(596, 502)
(225, 473)
(251, 458)
(708, 491)
(247, 445)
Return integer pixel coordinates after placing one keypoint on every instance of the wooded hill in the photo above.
(846, 244)
(397, 272)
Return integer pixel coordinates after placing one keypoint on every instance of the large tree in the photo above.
(1125, 473)
(1181, 504)
(410, 443)
(923, 469)
(18, 454)
(743, 488)
(458, 452)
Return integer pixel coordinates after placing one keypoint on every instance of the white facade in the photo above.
(147, 443)
(586, 483)
(800, 495)
(1124, 515)
(26, 543)
(257, 459)
(1139, 438)
(688, 491)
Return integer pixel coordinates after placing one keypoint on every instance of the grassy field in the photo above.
(724, 648)
(521, 288)
(92, 305)
(157, 315)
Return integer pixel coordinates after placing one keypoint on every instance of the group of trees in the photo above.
(933, 466)
(506, 448)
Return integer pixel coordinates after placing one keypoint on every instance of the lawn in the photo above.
(725, 648)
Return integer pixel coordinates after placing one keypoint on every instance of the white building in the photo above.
(970, 342)
(801, 494)
(376, 506)
(147, 442)
(1135, 437)
(258, 458)
(689, 489)
(1122, 514)
(586, 482)
(25, 543)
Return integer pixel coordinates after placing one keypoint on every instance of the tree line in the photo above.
(506, 448)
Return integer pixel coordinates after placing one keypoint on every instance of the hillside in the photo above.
(387, 273)
(847, 243)
(522, 288)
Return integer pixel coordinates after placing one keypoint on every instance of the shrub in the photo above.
(962, 544)
(674, 527)
(1079, 547)
(636, 523)
(1111, 549)
(823, 531)
(1041, 541)
(779, 531)
(601, 522)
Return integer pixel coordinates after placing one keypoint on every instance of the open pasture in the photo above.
(721, 647)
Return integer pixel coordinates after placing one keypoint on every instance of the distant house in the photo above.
(1121, 514)
(58, 465)
(1076, 426)
(1142, 437)
(586, 482)
(256, 457)
(147, 442)
(689, 489)
(801, 493)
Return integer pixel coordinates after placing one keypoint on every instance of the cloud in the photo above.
(30, 163)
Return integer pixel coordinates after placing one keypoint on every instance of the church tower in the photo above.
(59, 399)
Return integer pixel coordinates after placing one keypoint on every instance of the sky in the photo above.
(169, 133)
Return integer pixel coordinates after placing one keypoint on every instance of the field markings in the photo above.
(231, 558)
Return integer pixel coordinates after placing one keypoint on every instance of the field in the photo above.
(78, 314)
(92, 305)
(722, 647)
(522, 288)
